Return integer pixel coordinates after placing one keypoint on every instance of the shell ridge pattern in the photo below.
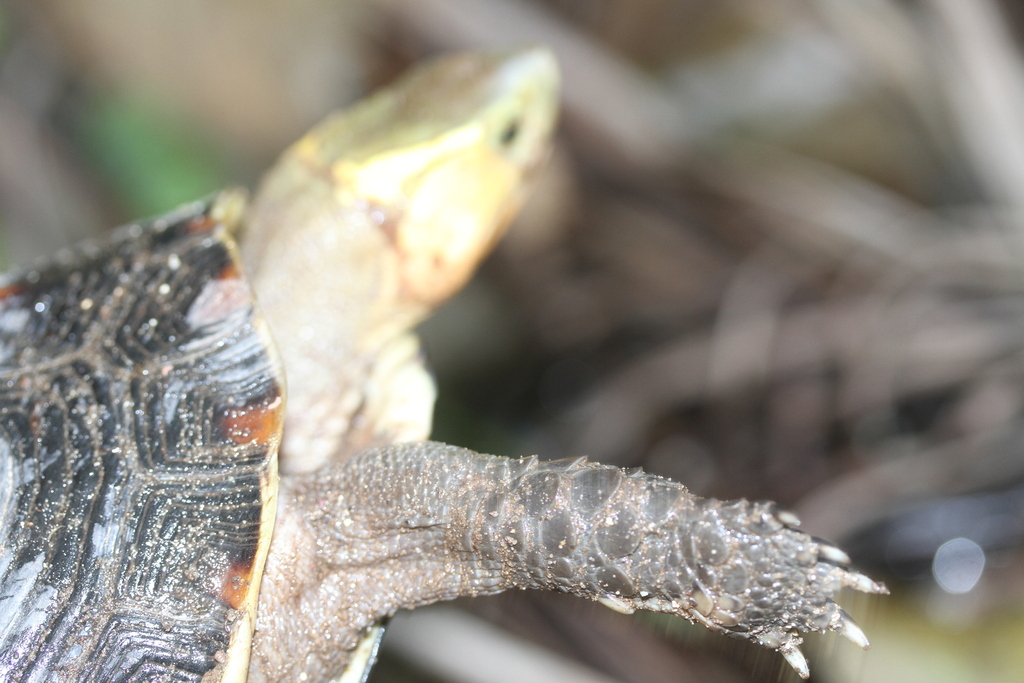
(139, 411)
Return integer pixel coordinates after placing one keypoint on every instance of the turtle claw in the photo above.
(617, 604)
(791, 651)
(832, 553)
(844, 625)
(857, 581)
(787, 517)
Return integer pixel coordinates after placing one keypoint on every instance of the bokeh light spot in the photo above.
(958, 565)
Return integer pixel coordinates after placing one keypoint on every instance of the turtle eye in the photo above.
(510, 132)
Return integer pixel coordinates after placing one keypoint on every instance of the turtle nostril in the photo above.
(510, 133)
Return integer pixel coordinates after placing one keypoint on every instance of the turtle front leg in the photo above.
(413, 524)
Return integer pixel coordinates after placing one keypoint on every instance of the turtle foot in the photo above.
(757, 576)
(423, 522)
(637, 541)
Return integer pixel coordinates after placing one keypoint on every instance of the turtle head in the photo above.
(437, 163)
(379, 214)
(441, 158)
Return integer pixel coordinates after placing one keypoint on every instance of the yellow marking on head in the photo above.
(381, 178)
(447, 151)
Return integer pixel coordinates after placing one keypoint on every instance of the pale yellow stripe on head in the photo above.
(382, 178)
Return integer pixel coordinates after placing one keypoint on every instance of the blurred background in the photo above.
(778, 253)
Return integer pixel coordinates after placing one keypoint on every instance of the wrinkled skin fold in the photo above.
(408, 525)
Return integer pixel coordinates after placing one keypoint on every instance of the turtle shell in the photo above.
(140, 413)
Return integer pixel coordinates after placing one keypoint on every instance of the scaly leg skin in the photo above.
(412, 524)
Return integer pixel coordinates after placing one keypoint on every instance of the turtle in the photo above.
(171, 509)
